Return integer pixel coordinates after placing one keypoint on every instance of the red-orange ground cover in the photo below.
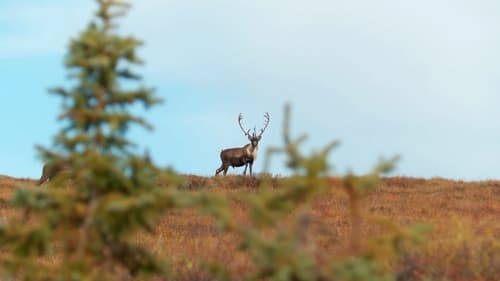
(464, 243)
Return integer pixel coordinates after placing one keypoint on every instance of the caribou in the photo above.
(50, 170)
(242, 156)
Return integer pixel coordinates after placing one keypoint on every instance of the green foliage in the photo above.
(281, 258)
(85, 217)
(278, 235)
(360, 269)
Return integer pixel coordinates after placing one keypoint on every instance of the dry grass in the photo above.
(464, 243)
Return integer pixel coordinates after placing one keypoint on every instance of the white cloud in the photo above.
(41, 28)
(388, 47)
(401, 72)
(384, 76)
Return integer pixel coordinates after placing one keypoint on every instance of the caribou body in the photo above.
(242, 156)
(50, 170)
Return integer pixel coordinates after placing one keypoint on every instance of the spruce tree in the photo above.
(81, 223)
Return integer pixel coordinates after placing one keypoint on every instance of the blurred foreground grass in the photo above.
(464, 243)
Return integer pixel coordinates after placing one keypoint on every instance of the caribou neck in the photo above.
(252, 150)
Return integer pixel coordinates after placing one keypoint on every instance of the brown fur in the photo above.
(51, 170)
(242, 156)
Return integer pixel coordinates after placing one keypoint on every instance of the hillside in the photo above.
(464, 243)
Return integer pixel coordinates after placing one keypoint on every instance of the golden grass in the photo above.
(464, 243)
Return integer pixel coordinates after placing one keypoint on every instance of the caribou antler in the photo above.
(247, 133)
(242, 156)
(266, 122)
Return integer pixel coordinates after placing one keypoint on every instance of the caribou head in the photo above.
(243, 156)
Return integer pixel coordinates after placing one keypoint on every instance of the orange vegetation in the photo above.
(464, 243)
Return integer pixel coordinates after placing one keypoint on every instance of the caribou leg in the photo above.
(221, 168)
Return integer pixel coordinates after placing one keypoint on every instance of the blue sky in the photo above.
(414, 78)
